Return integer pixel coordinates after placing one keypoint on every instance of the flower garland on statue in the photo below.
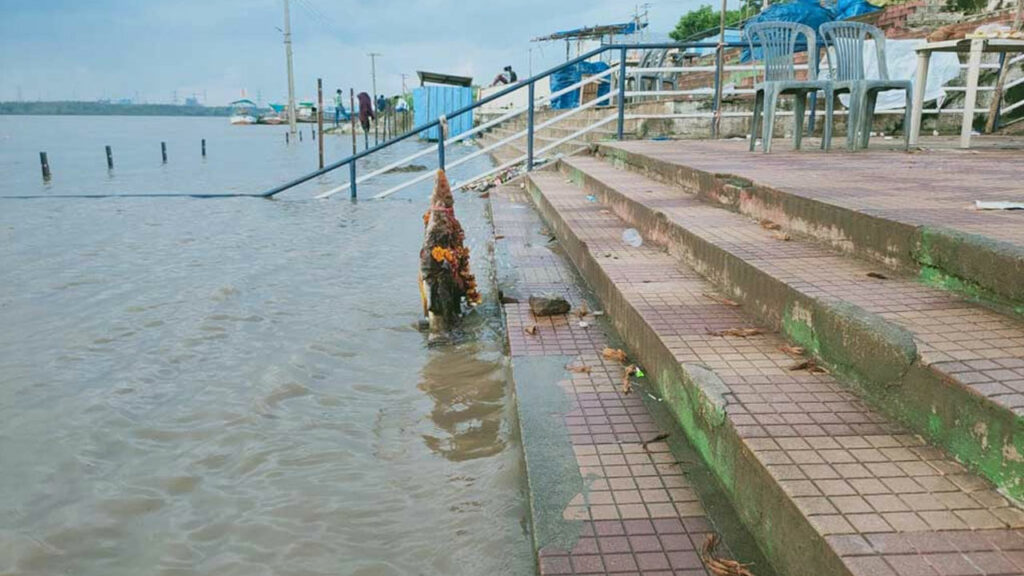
(457, 256)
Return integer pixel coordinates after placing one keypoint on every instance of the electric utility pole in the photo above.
(373, 76)
(291, 74)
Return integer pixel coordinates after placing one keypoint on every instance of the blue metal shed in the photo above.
(429, 102)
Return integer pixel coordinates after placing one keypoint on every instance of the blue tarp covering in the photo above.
(571, 75)
(809, 13)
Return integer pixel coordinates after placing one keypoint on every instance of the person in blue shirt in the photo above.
(339, 107)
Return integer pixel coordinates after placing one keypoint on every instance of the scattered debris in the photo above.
(653, 397)
(614, 354)
(590, 197)
(531, 329)
(721, 299)
(792, 350)
(810, 365)
(549, 305)
(632, 237)
(739, 332)
(769, 225)
(631, 370)
(877, 275)
(653, 439)
(582, 310)
(598, 312)
(584, 324)
(717, 565)
(499, 236)
(580, 369)
(407, 168)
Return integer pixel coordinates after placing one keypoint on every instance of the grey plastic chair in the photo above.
(778, 42)
(846, 59)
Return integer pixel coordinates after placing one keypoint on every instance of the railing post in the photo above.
(622, 91)
(716, 101)
(352, 178)
(442, 133)
(529, 129)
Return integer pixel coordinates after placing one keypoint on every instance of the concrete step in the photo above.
(826, 484)
(895, 337)
(916, 218)
(613, 486)
(517, 148)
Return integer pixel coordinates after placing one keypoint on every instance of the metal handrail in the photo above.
(528, 83)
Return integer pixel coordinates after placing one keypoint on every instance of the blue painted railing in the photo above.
(529, 83)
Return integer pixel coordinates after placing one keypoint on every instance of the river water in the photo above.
(237, 386)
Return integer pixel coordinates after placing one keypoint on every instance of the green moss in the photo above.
(800, 330)
(936, 278)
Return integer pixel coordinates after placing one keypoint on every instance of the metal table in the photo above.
(973, 46)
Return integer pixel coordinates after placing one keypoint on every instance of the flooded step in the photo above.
(516, 149)
(909, 211)
(892, 335)
(826, 483)
(614, 486)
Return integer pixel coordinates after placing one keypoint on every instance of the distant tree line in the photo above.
(110, 109)
(705, 20)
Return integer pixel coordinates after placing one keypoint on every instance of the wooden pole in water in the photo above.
(352, 116)
(45, 164)
(286, 141)
(320, 117)
(204, 147)
(163, 151)
(110, 159)
(300, 135)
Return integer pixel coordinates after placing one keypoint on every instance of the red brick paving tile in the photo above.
(615, 563)
(910, 565)
(652, 561)
(555, 565)
(587, 564)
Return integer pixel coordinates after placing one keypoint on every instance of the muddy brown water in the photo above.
(236, 386)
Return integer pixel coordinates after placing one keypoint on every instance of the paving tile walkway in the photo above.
(640, 514)
(935, 189)
(885, 501)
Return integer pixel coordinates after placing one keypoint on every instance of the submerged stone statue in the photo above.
(444, 261)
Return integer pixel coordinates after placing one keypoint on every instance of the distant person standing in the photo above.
(365, 113)
(339, 107)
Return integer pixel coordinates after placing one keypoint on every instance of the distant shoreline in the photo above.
(73, 108)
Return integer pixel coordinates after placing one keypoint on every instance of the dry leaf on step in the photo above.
(721, 299)
(781, 236)
(627, 384)
(614, 354)
(792, 350)
(654, 439)
(531, 329)
(717, 565)
(877, 275)
(809, 365)
(769, 225)
(740, 332)
(582, 310)
(579, 369)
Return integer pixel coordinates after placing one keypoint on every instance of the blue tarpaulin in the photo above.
(572, 74)
(808, 13)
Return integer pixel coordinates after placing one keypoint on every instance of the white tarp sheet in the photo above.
(901, 60)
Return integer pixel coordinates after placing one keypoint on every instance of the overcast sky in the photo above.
(92, 49)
